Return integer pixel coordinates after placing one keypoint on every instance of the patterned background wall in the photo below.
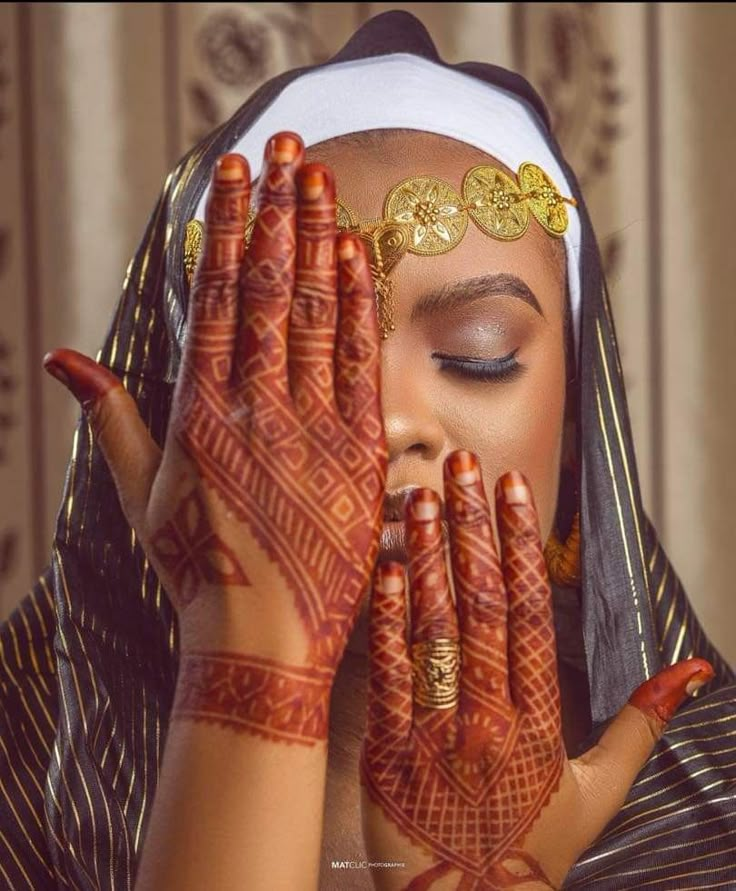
(97, 101)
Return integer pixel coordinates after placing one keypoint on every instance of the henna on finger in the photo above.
(479, 584)
(433, 615)
(357, 347)
(267, 279)
(389, 678)
(434, 631)
(213, 314)
(532, 647)
(314, 306)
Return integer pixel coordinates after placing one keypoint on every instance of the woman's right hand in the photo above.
(262, 513)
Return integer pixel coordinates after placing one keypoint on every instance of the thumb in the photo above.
(607, 771)
(129, 450)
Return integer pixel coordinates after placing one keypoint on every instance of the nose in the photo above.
(412, 426)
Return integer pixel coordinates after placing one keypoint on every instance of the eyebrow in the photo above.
(456, 294)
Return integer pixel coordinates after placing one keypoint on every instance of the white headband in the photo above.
(404, 91)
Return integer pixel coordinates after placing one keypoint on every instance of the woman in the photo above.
(84, 726)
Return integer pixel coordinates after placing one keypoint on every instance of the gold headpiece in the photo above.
(424, 215)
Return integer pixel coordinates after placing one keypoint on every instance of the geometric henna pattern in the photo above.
(517, 870)
(276, 702)
(192, 553)
(307, 480)
(467, 784)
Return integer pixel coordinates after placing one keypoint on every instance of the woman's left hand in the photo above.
(464, 771)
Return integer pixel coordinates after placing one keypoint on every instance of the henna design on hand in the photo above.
(276, 702)
(468, 784)
(194, 555)
(277, 411)
(275, 446)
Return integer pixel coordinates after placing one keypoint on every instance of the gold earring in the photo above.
(563, 558)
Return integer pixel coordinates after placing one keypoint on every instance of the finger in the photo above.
(389, 689)
(606, 772)
(357, 349)
(214, 298)
(433, 616)
(130, 452)
(314, 306)
(268, 271)
(478, 581)
(532, 650)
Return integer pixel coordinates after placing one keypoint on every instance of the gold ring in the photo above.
(436, 673)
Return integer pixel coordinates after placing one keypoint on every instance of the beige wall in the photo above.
(98, 100)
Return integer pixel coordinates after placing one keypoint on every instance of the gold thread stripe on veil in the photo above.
(82, 711)
(624, 541)
(633, 504)
(663, 810)
(647, 839)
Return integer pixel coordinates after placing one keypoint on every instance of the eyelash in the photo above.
(503, 370)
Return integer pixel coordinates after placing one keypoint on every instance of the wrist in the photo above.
(254, 695)
(229, 622)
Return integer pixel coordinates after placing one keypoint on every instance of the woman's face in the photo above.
(499, 304)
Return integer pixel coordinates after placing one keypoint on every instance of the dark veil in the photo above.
(89, 658)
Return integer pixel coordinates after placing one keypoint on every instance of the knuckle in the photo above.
(308, 309)
(472, 516)
(489, 609)
(357, 349)
(647, 727)
(105, 411)
(524, 538)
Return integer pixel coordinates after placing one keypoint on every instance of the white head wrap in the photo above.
(405, 91)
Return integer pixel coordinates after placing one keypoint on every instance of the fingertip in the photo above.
(86, 379)
(231, 168)
(463, 467)
(388, 600)
(513, 489)
(390, 577)
(663, 694)
(284, 148)
(348, 246)
(423, 505)
(316, 182)
(704, 673)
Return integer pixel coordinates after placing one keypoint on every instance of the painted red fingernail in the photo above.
(346, 247)
(56, 371)
(313, 181)
(424, 505)
(514, 489)
(663, 694)
(230, 169)
(390, 577)
(463, 467)
(83, 377)
(284, 148)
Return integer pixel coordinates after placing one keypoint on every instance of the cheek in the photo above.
(515, 426)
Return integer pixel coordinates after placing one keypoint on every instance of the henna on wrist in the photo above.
(516, 870)
(277, 702)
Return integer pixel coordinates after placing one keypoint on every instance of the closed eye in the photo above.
(502, 370)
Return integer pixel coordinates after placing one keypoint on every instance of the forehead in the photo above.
(368, 165)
